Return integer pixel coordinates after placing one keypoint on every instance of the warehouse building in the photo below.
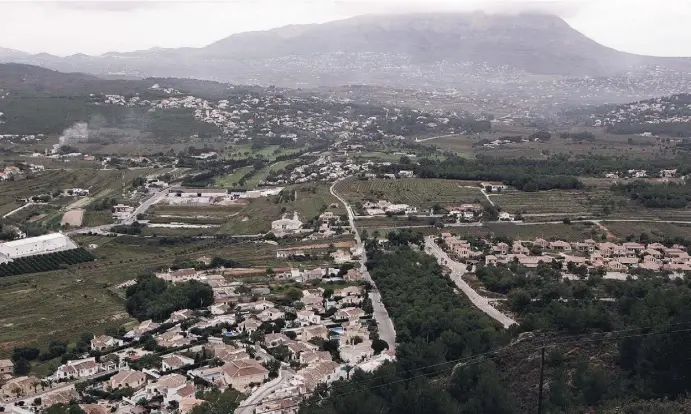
(31, 246)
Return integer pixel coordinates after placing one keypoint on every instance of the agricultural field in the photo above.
(94, 218)
(656, 231)
(393, 222)
(571, 202)
(576, 231)
(421, 193)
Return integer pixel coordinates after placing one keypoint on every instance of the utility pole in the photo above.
(542, 375)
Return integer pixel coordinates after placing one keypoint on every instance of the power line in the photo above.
(477, 359)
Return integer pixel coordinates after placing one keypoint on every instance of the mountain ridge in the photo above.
(335, 53)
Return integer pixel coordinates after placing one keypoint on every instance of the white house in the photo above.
(286, 225)
(80, 368)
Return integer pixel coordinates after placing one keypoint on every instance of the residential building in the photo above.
(128, 379)
(323, 372)
(354, 354)
(270, 314)
(286, 225)
(318, 331)
(103, 342)
(81, 368)
(19, 386)
(6, 367)
(141, 329)
(560, 245)
(351, 314)
(306, 318)
(175, 361)
(241, 374)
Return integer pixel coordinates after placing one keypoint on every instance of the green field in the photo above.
(421, 193)
(232, 179)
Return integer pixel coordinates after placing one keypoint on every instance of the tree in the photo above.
(519, 299)
(219, 402)
(379, 345)
(273, 366)
(71, 408)
(293, 294)
(257, 336)
(21, 367)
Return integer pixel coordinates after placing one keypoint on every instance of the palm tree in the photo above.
(348, 368)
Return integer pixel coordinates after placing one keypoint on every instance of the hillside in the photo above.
(665, 116)
(449, 49)
(35, 100)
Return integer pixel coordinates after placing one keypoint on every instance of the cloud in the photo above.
(562, 8)
(111, 6)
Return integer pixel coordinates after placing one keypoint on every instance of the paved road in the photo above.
(248, 406)
(386, 328)
(438, 136)
(146, 205)
(457, 271)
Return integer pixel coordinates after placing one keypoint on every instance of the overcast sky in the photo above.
(654, 27)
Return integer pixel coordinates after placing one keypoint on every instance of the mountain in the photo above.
(12, 54)
(432, 49)
(33, 80)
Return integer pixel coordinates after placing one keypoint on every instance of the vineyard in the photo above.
(421, 193)
(553, 201)
(45, 262)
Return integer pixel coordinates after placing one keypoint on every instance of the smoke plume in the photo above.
(78, 132)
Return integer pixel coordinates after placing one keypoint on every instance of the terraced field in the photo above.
(418, 192)
(553, 201)
(101, 182)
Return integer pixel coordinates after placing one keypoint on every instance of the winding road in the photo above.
(457, 271)
(249, 405)
(386, 328)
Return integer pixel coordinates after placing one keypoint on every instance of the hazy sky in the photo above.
(655, 27)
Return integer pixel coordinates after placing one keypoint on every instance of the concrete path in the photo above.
(457, 271)
(384, 322)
